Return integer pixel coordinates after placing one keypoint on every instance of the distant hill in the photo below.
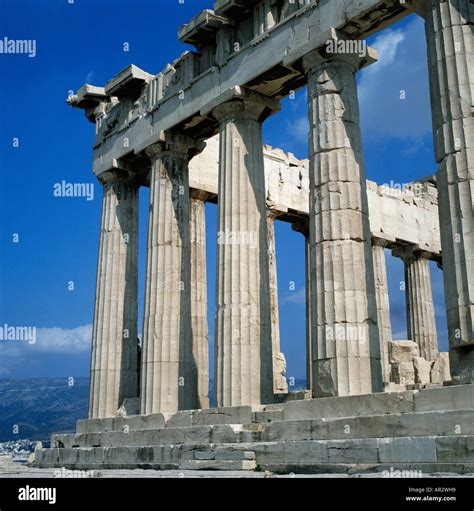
(40, 407)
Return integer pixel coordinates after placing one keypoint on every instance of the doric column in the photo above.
(383, 304)
(243, 316)
(421, 321)
(169, 371)
(449, 36)
(309, 329)
(199, 327)
(114, 370)
(346, 349)
(280, 385)
(302, 226)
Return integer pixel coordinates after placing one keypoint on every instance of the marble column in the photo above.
(309, 329)
(421, 320)
(280, 385)
(449, 36)
(114, 370)
(199, 327)
(244, 370)
(303, 227)
(383, 304)
(169, 370)
(346, 350)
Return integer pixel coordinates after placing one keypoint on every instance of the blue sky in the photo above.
(84, 41)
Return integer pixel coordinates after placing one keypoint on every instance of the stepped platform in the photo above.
(429, 430)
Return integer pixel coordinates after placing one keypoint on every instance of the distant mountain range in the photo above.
(35, 408)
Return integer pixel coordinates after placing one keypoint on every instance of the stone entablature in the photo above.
(178, 95)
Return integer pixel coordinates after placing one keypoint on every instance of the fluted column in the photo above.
(280, 385)
(421, 320)
(449, 35)
(383, 304)
(114, 368)
(169, 370)
(199, 327)
(309, 329)
(346, 350)
(303, 227)
(243, 315)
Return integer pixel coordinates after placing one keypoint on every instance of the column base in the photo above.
(344, 376)
(462, 365)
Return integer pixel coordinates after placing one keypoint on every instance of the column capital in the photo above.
(113, 175)
(176, 144)
(242, 103)
(302, 226)
(272, 214)
(404, 252)
(409, 253)
(380, 242)
(199, 195)
(338, 49)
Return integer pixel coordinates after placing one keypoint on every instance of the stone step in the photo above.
(371, 426)
(431, 428)
(218, 465)
(181, 419)
(424, 449)
(328, 455)
(219, 459)
(459, 397)
(379, 426)
(221, 454)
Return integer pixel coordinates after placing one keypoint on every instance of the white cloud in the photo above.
(60, 348)
(64, 340)
(387, 46)
(401, 69)
(89, 77)
(297, 297)
(50, 341)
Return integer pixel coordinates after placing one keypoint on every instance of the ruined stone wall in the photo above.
(403, 215)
